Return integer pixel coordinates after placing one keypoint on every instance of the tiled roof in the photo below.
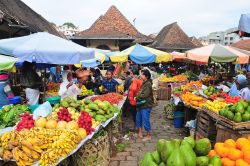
(15, 11)
(172, 37)
(195, 41)
(112, 25)
(243, 44)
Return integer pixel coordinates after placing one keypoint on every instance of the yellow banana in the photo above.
(27, 151)
(35, 155)
(15, 154)
(37, 149)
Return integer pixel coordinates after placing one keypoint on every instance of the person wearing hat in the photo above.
(67, 87)
(144, 104)
(5, 90)
(240, 87)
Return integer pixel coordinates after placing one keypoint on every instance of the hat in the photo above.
(4, 76)
(240, 78)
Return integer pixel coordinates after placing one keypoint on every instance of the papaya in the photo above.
(176, 158)
(190, 140)
(215, 160)
(188, 154)
(93, 106)
(160, 144)
(177, 142)
(152, 163)
(146, 159)
(156, 156)
(202, 147)
(162, 164)
(202, 161)
(168, 148)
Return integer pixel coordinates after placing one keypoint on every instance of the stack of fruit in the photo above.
(239, 112)
(42, 145)
(184, 152)
(208, 78)
(215, 105)
(233, 152)
(211, 92)
(86, 92)
(177, 78)
(53, 89)
(112, 98)
(191, 85)
(9, 115)
(193, 100)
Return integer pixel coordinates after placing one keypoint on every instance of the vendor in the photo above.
(67, 87)
(32, 82)
(110, 84)
(5, 90)
(240, 87)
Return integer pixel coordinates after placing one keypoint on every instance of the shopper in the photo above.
(31, 81)
(5, 90)
(67, 87)
(110, 84)
(242, 85)
(128, 80)
(144, 103)
(132, 92)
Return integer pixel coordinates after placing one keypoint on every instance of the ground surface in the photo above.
(161, 128)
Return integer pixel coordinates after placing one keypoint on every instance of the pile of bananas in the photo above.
(86, 92)
(46, 146)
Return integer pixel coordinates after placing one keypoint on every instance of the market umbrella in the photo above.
(7, 62)
(217, 53)
(244, 25)
(178, 55)
(141, 55)
(43, 47)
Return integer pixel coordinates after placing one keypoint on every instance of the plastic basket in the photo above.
(15, 100)
(54, 100)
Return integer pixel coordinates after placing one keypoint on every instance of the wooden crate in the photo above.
(164, 93)
(163, 84)
(205, 126)
(224, 133)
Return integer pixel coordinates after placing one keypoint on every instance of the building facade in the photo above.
(220, 37)
(68, 31)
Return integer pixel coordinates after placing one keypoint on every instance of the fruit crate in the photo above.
(164, 93)
(224, 133)
(205, 126)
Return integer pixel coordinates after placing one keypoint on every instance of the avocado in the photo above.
(246, 117)
(237, 118)
(229, 115)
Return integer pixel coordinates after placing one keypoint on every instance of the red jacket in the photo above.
(133, 90)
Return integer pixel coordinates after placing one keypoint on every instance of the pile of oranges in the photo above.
(192, 85)
(193, 100)
(233, 153)
(177, 78)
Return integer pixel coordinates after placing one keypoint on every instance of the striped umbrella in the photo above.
(141, 55)
(217, 53)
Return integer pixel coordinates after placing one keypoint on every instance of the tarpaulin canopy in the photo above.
(43, 47)
(88, 63)
(141, 55)
(244, 25)
(217, 53)
(101, 54)
(178, 55)
(7, 62)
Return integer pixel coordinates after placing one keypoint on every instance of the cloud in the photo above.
(196, 17)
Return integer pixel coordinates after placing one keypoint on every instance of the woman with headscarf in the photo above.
(67, 87)
(5, 90)
(242, 85)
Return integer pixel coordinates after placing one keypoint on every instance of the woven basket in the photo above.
(95, 152)
(169, 109)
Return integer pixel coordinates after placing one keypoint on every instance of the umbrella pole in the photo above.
(214, 74)
(44, 84)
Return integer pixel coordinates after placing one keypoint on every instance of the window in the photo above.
(231, 38)
(226, 38)
(226, 43)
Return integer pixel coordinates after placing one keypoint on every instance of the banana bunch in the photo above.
(74, 115)
(6, 137)
(95, 123)
(52, 116)
(65, 143)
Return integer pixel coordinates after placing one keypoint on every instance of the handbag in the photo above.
(140, 102)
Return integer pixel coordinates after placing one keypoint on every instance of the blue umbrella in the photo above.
(244, 24)
(43, 47)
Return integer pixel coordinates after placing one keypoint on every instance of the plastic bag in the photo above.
(43, 110)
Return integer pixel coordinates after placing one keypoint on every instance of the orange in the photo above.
(235, 154)
(249, 138)
(241, 162)
(246, 155)
(222, 151)
(211, 153)
(227, 162)
(230, 143)
(241, 142)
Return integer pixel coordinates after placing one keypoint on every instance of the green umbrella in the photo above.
(7, 62)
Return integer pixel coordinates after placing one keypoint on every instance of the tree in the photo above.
(69, 25)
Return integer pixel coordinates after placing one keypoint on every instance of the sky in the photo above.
(196, 17)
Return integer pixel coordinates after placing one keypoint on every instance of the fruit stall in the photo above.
(177, 152)
(78, 127)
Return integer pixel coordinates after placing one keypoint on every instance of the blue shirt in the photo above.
(110, 85)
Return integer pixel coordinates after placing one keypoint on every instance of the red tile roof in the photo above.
(112, 25)
(243, 44)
